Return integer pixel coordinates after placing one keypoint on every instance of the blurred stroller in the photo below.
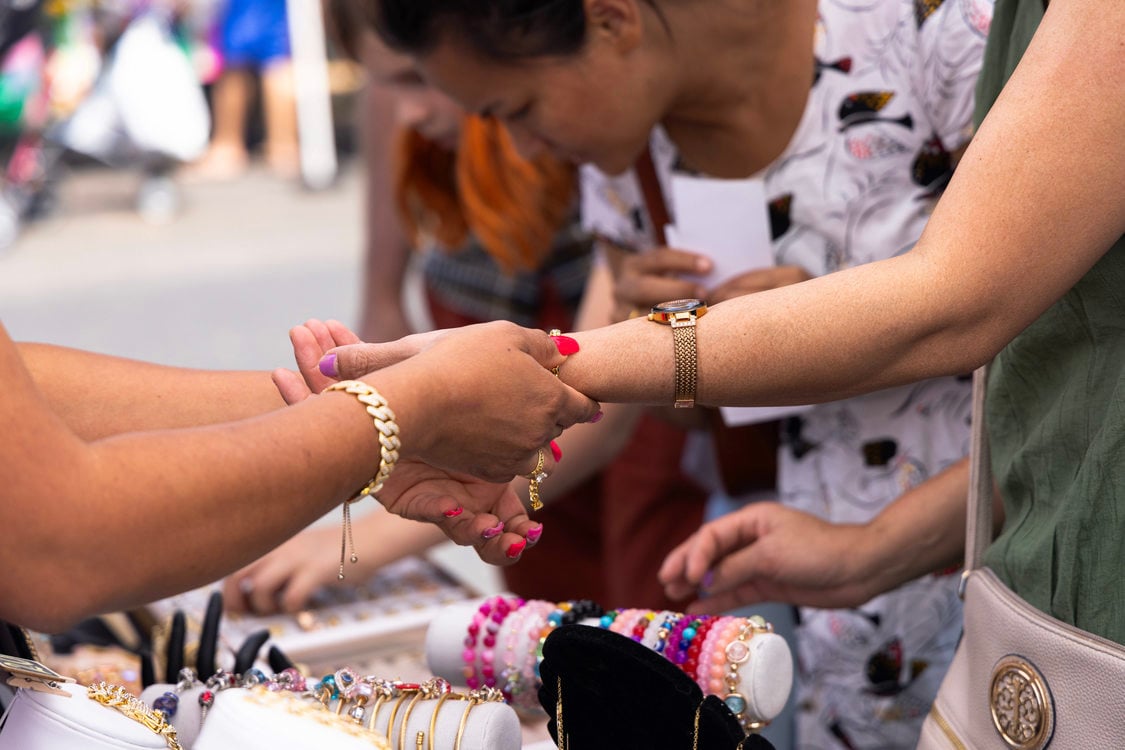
(115, 85)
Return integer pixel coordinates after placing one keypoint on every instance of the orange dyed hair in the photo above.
(512, 206)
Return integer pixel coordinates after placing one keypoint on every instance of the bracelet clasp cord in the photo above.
(389, 447)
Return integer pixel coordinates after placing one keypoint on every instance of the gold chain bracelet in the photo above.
(116, 696)
(389, 445)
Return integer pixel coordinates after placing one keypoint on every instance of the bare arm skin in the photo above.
(99, 395)
(104, 524)
(1026, 215)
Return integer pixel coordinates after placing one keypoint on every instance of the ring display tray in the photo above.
(343, 623)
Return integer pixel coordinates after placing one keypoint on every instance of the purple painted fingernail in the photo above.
(597, 417)
(327, 366)
(534, 534)
(493, 532)
(708, 580)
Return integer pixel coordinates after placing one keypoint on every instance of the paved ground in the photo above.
(218, 286)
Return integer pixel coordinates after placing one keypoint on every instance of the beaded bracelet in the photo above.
(695, 649)
(719, 658)
(389, 446)
(115, 696)
(519, 651)
(706, 668)
(565, 613)
(484, 626)
(660, 641)
(488, 655)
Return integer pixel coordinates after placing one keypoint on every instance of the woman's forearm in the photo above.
(98, 395)
(1026, 215)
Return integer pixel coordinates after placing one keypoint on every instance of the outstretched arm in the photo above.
(1026, 215)
(103, 524)
(98, 395)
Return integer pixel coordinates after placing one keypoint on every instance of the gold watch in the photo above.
(681, 314)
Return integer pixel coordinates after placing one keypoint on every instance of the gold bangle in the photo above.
(461, 725)
(115, 696)
(385, 692)
(394, 713)
(389, 445)
(434, 715)
(405, 719)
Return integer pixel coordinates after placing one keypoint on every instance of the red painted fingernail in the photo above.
(327, 366)
(493, 532)
(556, 451)
(516, 549)
(454, 513)
(566, 345)
(534, 534)
(597, 417)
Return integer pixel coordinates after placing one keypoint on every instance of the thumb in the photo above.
(551, 351)
(290, 385)
(356, 360)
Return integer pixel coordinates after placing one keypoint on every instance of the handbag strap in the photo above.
(655, 204)
(978, 527)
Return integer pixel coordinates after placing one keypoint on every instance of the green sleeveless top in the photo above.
(1056, 420)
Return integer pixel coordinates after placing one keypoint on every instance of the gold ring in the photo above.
(536, 476)
(555, 332)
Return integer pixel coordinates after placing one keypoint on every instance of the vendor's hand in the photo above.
(758, 280)
(310, 341)
(767, 552)
(491, 401)
(489, 517)
(645, 279)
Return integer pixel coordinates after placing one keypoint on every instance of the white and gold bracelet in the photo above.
(389, 445)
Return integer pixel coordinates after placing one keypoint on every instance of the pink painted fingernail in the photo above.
(597, 417)
(493, 532)
(454, 513)
(516, 549)
(556, 451)
(566, 345)
(327, 366)
(534, 534)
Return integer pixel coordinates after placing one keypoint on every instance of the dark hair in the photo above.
(503, 30)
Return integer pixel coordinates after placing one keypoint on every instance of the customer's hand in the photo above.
(767, 552)
(758, 280)
(286, 579)
(642, 280)
(310, 341)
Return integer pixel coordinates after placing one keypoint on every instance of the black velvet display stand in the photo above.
(620, 694)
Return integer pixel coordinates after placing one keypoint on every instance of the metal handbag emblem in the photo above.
(1021, 706)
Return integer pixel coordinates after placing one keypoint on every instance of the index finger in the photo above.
(715, 541)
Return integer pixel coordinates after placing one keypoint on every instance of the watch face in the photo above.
(678, 306)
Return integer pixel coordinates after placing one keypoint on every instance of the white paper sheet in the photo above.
(728, 220)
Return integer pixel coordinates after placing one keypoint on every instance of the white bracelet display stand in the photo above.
(238, 720)
(186, 718)
(764, 681)
(42, 721)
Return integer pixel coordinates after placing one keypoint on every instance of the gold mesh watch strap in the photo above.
(687, 374)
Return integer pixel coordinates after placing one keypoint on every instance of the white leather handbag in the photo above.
(1020, 678)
